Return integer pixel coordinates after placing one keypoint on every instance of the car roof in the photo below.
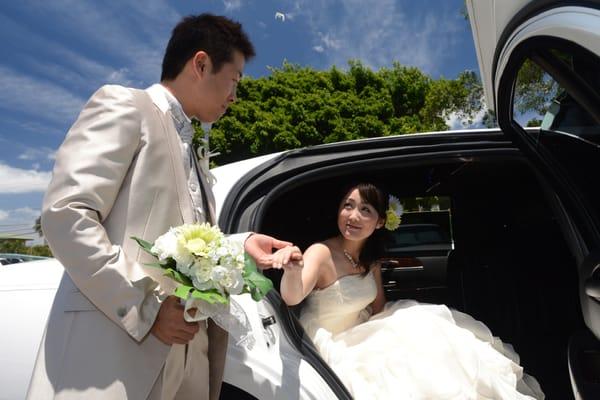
(228, 175)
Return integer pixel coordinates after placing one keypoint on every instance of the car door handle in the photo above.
(592, 288)
(410, 268)
(398, 266)
(267, 321)
(401, 268)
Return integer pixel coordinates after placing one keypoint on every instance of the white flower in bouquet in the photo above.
(234, 281)
(201, 274)
(166, 246)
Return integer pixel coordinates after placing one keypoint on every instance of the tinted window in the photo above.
(540, 100)
(425, 221)
(557, 88)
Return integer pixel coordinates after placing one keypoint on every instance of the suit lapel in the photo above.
(185, 203)
(174, 148)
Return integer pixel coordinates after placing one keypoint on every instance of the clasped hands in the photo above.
(260, 248)
(170, 327)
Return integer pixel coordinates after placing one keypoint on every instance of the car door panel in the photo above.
(566, 151)
(415, 274)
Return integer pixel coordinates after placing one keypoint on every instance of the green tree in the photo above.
(37, 226)
(299, 106)
(535, 89)
(19, 247)
(40, 250)
(13, 246)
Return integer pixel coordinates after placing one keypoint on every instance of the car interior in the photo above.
(509, 265)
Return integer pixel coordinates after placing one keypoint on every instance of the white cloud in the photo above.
(41, 98)
(136, 36)
(17, 180)
(119, 77)
(318, 49)
(37, 127)
(380, 33)
(132, 34)
(27, 212)
(52, 60)
(39, 154)
(329, 41)
(20, 222)
(456, 121)
(231, 5)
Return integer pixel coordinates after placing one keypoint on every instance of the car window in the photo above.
(557, 88)
(541, 101)
(425, 221)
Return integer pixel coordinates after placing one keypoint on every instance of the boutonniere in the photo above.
(203, 150)
(203, 153)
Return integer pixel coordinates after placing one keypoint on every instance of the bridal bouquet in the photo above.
(209, 268)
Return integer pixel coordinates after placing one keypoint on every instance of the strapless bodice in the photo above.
(340, 305)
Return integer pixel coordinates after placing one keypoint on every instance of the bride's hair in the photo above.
(374, 247)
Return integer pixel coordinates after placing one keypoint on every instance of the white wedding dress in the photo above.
(410, 350)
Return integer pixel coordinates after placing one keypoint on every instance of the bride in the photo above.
(400, 350)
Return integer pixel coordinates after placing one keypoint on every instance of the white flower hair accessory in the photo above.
(393, 214)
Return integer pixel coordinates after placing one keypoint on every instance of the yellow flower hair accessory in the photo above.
(393, 214)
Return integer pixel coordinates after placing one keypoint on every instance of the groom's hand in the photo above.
(286, 259)
(260, 248)
(170, 327)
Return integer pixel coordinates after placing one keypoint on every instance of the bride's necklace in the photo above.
(352, 261)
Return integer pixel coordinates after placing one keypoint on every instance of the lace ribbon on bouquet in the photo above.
(231, 317)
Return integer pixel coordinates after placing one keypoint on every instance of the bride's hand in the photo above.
(260, 248)
(288, 258)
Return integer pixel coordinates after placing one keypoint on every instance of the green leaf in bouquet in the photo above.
(249, 265)
(170, 263)
(145, 245)
(155, 265)
(178, 276)
(183, 291)
(258, 284)
(210, 296)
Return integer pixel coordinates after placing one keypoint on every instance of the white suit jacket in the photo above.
(118, 174)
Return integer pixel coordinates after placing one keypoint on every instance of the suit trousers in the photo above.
(194, 371)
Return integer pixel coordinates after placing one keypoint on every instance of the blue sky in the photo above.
(55, 54)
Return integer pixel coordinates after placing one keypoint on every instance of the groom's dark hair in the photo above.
(216, 35)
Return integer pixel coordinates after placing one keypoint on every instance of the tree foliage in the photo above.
(299, 106)
(534, 90)
(37, 226)
(19, 247)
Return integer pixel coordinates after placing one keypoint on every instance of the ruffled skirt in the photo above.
(425, 351)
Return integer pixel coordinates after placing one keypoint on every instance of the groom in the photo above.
(126, 168)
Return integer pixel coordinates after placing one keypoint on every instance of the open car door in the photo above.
(544, 71)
